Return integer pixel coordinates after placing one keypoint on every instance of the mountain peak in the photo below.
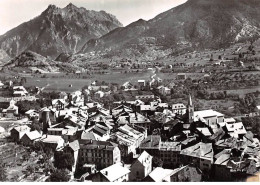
(71, 6)
(52, 7)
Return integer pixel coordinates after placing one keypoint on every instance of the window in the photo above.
(137, 173)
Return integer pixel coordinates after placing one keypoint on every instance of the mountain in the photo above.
(194, 25)
(33, 62)
(4, 57)
(58, 30)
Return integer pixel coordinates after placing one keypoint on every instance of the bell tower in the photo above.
(190, 110)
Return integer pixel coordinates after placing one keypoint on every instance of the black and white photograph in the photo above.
(129, 91)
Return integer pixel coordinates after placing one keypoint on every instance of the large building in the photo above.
(200, 155)
(101, 153)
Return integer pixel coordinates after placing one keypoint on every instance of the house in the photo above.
(141, 84)
(19, 91)
(236, 130)
(101, 153)
(127, 86)
(99, 94)
(159, 174)
(18, 132)
(141, 167)
(179, 108)
(73, 148)
(53, 142)
(1, 85)
(164, 90)
(58, 104)
(186, 173)
(181, 76)
(11, 111)
(114, 173)
(200, 154)
(145, 97)
(32, 114)
(30, 137)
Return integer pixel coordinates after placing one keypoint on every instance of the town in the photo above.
(121, 133)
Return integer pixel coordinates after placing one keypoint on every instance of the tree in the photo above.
(63, 160)
(3, 174)
(157, 162)
(60, 175)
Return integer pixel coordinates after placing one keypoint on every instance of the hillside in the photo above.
(58, 30)
(32, 62)
(194, 25)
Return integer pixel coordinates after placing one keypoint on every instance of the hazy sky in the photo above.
(15, 12)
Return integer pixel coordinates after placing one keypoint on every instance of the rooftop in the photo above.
(200, 150)
(115, 171)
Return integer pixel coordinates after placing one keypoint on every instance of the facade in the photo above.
(179, 108)
(101, 153)
(200, 154)
(141, 167)
(29, 138)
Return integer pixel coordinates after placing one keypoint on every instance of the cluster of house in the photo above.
(124, 143)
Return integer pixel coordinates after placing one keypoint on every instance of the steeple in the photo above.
(190, 110)
(189, 101)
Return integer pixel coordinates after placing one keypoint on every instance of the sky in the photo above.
(15, 12)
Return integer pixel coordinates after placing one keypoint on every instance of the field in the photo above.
(241, 92)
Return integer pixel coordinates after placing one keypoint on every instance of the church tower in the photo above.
(190, 110)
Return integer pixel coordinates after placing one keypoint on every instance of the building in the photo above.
(19, 91)
(114, 173)
(186, 173)
(18, 132)
(181, 76)
(179, 108)
(54, 142)
(164, 90)
(236, 130)
(145, 97)
(159, 175)
(127, 86)
(170, 153)
(99, 94)
(29, 138)
(200, 154)
(141, 84)
(141, 167)
(210, 117)
(11, 111)
(101, 153)
(130, 138)
(58, 104)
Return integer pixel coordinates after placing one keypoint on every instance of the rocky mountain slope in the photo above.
(194, 25)
(58, 30)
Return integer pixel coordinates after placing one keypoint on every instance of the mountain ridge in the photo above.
(196, 24)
